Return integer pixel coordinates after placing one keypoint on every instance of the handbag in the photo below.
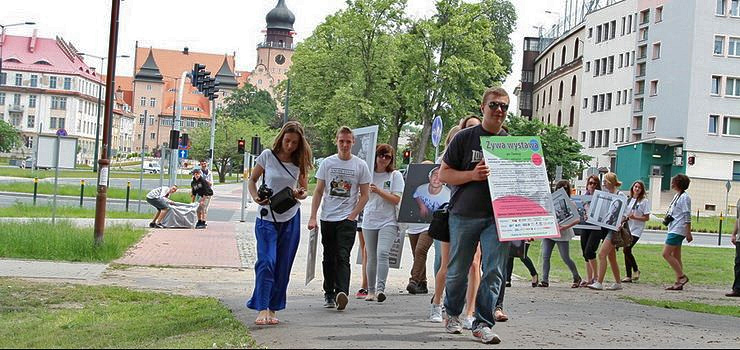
(439, 228)
(283, 200)
(517, 249)
(623, 236)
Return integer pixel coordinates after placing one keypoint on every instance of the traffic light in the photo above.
(240, 146)
(174, 139)
(198, 74)
(406, 156)
(185, 140)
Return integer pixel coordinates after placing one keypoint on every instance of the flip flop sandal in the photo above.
(273, 321)
(676, 286)
(261, 322)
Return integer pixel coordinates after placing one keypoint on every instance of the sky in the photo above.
(215, 26)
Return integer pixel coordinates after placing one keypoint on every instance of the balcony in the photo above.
(13, 108)
(275, 45)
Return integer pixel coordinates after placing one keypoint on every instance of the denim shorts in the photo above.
(675, 240)
(159, 203)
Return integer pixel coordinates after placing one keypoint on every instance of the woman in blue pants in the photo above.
(278, 234)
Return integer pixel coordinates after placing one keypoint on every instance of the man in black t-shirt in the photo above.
(471, 220)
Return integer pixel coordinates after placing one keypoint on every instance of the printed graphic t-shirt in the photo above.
(379, 212)
(432, 201)
(343, 179)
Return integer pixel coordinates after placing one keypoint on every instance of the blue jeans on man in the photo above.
(465, 233)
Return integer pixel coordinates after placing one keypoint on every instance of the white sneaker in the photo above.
(370, 297)
(486, 335)
(435, 315)
(467, 323)
(615, 286)
(596, 286)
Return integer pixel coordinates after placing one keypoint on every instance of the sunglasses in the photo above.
(385, 156)
(494, 105)
(593, 183)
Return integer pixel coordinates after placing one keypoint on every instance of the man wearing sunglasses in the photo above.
(472, 222)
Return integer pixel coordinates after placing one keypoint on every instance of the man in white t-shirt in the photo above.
(430, 196)
(343, 182)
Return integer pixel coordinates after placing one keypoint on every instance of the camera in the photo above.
(264, 192)
(668, 220)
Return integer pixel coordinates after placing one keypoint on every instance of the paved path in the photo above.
(47, 269)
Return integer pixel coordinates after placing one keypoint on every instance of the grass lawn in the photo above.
(79, 174)
(703, 224)
(723, 310)
(64, 241)
(21, 210)
(704, 266)
(183, 194)
(36, 315)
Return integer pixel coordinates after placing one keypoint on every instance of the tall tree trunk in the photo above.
(426, 133)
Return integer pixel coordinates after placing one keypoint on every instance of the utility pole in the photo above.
(287, 104)
(104, 162)
(141, 171)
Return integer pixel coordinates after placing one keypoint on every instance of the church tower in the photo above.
(275, 53)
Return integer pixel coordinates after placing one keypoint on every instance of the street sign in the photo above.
(559, 173)
(183, 153)
(728, 186)
(61, 132)
(437, 131)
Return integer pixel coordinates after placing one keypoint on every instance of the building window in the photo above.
(611, 65)
(592, 141)
(656, 51)
(143, 101)
(152, 102)
(614, 29)
(601, 102)
(585, 103)
(549, 101)
(152, 136)
(560, 118)
(598, 34)
(594, 103)
(590, 32)
(67, 83)
(713, 124)
(583, 136)
(562, 58)
(3, 78)
(59, 103)
(735, 171)
(17, 99)
(572, 119)
(735, 8)
(606, 138)
(619, 97)
(716, 85)
(573, 86)
(18, 79)
(645, 17)
(149, 87)
(597, 68)
(575, 49)
(616, 135)
(719, 45)
(599, 138)
(654, 88)
(731, 126)
(603, 66)
(609, 101)
(151, 120)
(651, 124)
(560, 94)
(32, 101)
(588, 66)
(31, 121)
(659, 14)
(2, 98)
(34, 80)
(732, 87)
(721, 7)
(643, 34)
(52, 123)
(734, 49)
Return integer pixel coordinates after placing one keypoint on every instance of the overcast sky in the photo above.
(216, 26)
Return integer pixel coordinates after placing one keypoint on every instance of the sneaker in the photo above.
(435, 314)
(422, 288)
(370, 297)
(486, 335)
(329, 302)
(453, 325)
(342, 301)
(467, 323)
(152, 225)
(615, 286)
(160, 226)
(381, 297)
(596, 286)
(361, 294)
(412, 287)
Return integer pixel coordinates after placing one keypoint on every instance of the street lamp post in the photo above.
(100, 95)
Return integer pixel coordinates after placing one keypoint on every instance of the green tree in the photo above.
(255, 106)
(9, 137)
(559, 148)
(228, 131)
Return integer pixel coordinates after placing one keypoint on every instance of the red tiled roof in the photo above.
(44, 55)
(242, 78)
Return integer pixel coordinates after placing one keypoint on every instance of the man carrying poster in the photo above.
(471, 222)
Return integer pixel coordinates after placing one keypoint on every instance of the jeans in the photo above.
(465, 233)
(629, 259)
(508, 268)
(437, 256)
(337, 238)
(275, 255)
(736, 285)
(564, 248)
(421, 250)
(378, 245)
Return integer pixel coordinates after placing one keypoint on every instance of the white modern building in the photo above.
(608, 76)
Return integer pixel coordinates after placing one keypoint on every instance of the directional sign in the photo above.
(728, 186)
(183, 154)
(61, 132)
(436, 131)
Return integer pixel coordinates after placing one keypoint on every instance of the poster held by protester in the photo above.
(520, 190)
(423, 194)
(313, 238)
(583, 203)
(364, 148)
(607, 210)
(396, 253)
(565, 210)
